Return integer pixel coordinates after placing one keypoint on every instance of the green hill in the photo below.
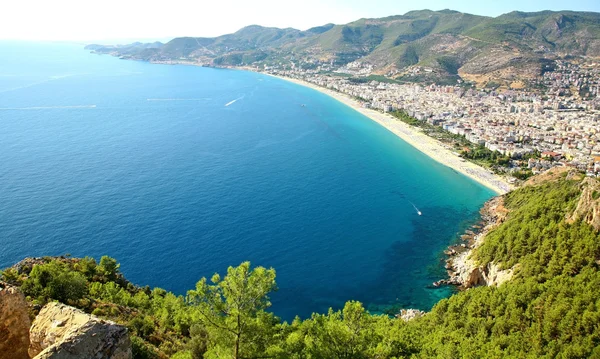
(511, 46)
(549, 309)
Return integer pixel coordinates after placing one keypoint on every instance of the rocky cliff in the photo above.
(60, 331)
(14, 323)
(463, 270)
(588, 207)
(466, 273)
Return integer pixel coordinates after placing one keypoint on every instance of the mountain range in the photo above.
(512, 47)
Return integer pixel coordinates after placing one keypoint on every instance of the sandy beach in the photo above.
(429, 146)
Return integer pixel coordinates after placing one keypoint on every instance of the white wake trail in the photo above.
(234, 101)
(416, 209)
(51, 78)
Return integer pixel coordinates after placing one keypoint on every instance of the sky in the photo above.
(127, 20)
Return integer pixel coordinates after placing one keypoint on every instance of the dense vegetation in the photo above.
(550, 309)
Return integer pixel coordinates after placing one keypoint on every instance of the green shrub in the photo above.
(183, 355)
(55, 281)
(142, 326)
(108, 268)
(142, 350)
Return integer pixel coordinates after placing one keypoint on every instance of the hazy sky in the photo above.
(89, 20)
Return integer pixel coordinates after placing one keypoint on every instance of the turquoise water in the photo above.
(147, 164)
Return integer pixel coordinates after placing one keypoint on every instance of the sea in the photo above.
(180, 171)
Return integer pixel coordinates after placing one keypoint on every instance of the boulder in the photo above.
(410, 314)
(14, 323)
(63, 332)
(494, 276)
(475, 278)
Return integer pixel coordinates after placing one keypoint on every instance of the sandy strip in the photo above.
(429, 146)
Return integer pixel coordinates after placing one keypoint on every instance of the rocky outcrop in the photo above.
(463, 270)
(467, 274)
(26, 265)
(410, 314)
(494, 276)
(14, 323)
(588, 207)
(63, 332)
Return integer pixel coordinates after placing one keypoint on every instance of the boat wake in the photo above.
(234, 101)
(401, 195)
(416, 209)
(51, 78)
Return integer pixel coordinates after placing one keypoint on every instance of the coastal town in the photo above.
(553, 122)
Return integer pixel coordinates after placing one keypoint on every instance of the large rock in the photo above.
(14, 323)
(410, 314)
(464, 271)
(494, 276)
(588, 207)
(467, 274)
(63, 332)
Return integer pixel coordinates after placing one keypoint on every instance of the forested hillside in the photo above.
(512, 46)
(551, 307)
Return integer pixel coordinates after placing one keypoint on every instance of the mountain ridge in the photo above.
(451, 44)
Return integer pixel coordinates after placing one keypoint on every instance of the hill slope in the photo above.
(511, 46)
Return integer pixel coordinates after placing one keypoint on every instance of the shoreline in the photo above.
(429, 146)
(463, 270)
(425, 144)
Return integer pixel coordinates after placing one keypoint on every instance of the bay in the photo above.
(179, 172)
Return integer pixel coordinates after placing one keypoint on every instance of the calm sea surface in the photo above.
(179, 172)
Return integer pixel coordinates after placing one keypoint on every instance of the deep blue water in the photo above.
(145, 163)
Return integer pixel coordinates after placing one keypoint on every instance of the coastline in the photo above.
(463, 270)
(427, 145)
